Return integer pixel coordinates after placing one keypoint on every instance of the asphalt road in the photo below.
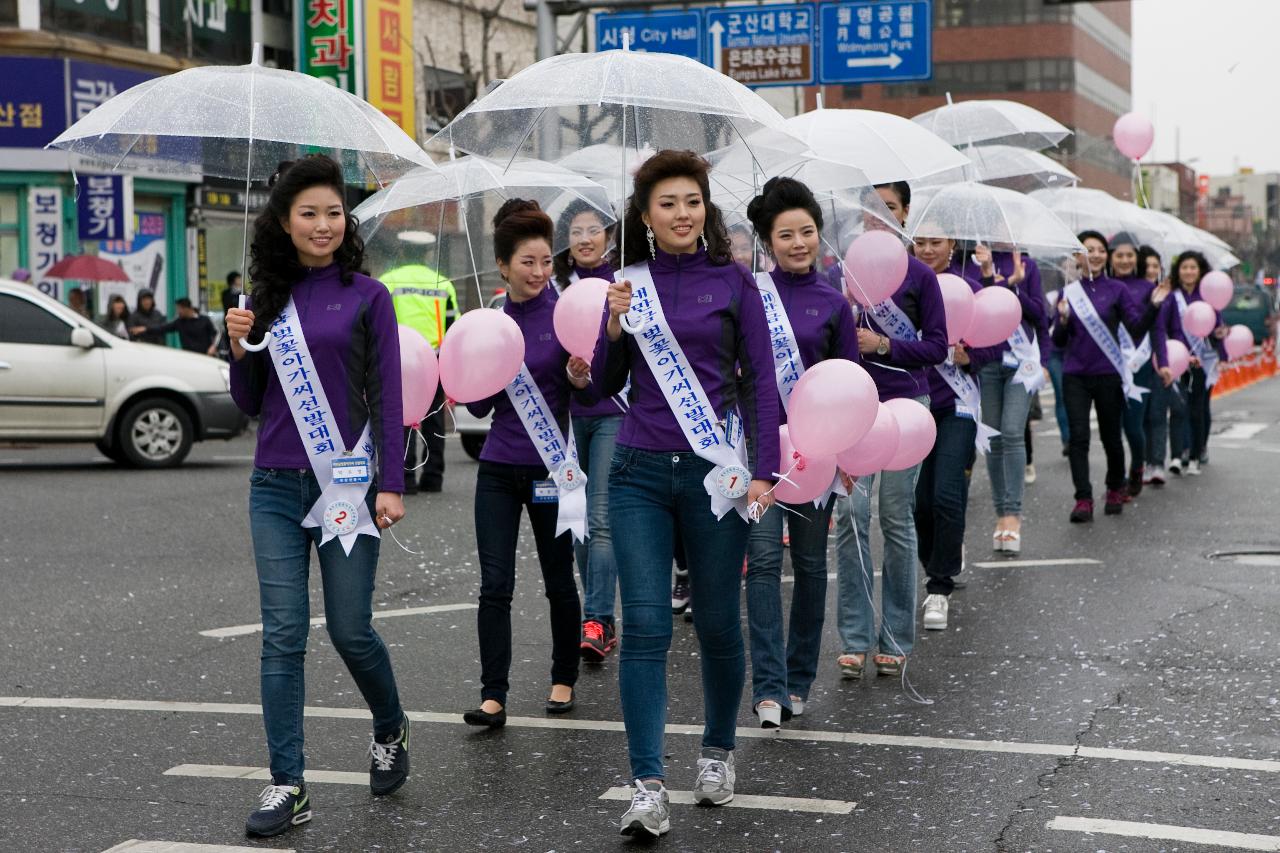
(1140, 688)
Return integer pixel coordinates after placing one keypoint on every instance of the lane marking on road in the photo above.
(831, 576)
(749, 801)
(263, 774)
(1242, 431)
(1261, 448)
(242, 630)
(134, 845)
(1166, 832)
(1220, 762)
(1031, 564)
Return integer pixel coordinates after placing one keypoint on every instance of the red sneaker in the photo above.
(1083, 512)
(598, 639)
(1115, 502)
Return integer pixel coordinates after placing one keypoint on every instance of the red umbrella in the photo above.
(87, 268)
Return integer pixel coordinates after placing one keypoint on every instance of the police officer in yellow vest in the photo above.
(426, 302)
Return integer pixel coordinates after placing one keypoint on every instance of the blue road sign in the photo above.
(677, 32)
(876, 41)
(762, 45)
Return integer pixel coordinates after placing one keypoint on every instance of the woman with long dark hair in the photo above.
(528, 465)
(327, 466)
(695, 349)
(811, 322)
(1189, 427)
(1163, 394)
(1096, 374)
(595, 430)
(116, 320)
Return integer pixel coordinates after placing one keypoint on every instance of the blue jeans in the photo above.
(1135, 417)
(1158, 412)
(279, 499)
(942, 494)
(1059, 399)
(1005, 405)
(596, 437)
(772, 676)
(651, 495)
(855, 610)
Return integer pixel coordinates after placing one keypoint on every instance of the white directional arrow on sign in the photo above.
(716, 30)
(890, 61)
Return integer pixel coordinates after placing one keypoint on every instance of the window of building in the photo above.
(851, 92)
(9, 13)
(22, 322)
(996, 13)
(120, 21)
(9, 260)
(447, 95)
(990, 77)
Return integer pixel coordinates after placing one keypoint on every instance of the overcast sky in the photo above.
(1211, 68)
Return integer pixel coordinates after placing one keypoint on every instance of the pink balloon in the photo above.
(1238, 342)
(1199, 319)
(577, 316)
(996, 313)
(419, 375)
(481, 354)
(1133, 134)
(916, 433)
(1179, 357)
(876, 448)
(810, 476)
(832, 407)
(874, 267)
(1217, 288)
(957, 299)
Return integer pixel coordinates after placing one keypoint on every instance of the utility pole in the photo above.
(546, 30)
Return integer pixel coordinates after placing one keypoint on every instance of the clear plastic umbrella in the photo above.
(1007, 166)
(631, 99)
(600, 163)
(884, 146)
(993, 216)
(241, 122)
(1087, 209)
(1181, 237)
(441, 217)
(993, 121)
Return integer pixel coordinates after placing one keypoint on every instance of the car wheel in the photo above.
(155, 433)
(110, 451)
(472, 443)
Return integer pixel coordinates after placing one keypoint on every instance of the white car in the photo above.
(63, 378)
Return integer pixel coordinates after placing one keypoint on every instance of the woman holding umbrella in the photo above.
(694, 357)
(327, 466)
(595, 431)
(1096, 374)
(818, 324)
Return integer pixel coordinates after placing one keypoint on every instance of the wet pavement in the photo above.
(1140, 688)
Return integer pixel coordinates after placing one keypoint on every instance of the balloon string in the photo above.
(403, 547)
(757, 510)
(1142, 193)
(867, 588)
(426, 448)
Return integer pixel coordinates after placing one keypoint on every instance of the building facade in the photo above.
(1070, 61)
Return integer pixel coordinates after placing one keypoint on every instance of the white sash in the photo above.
(1083, 308)
(340, 512)
(1135, 354)
(898, 326)
(1030, 374)
(560, 456)
(1200, 348)
(720, 443)
(787, 365)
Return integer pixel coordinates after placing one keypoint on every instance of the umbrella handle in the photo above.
(632, 327)
(244, 342)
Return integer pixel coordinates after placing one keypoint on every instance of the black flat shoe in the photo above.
(554, 707)
(483, 719)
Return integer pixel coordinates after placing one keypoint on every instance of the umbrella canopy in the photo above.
(993, 216)
(1085, 209)
(989, 121)
(1007, 166)
(87, 268)
(885, 147)
(602, 164)
(241, 122)
(442, 217)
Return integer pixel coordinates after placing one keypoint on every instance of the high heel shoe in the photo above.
(770, 714)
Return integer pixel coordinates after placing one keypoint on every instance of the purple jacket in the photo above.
(607, 406)
(1115, 304)
(942, 399)
(355, 347)
(716, 314)
(508, 442)
(821, 320)
(921, 300)
(1035, 315)
(1168, 324)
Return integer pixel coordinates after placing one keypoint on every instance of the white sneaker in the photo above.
(935, 612)
(714, 785)
(1155, 475)
(1030, 476)
(1193, 467)
(1175, 467)
(650, 812)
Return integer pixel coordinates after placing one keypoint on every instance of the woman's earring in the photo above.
(653, 249)
(705, 245)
